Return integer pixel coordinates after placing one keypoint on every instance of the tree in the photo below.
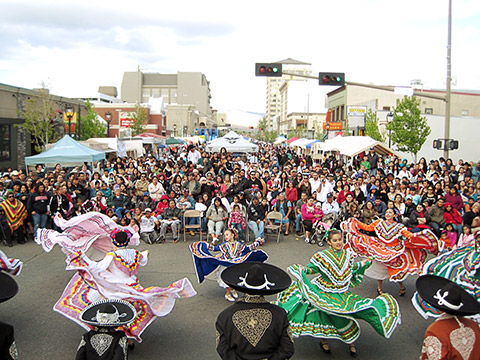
(409, 130)
(320, 134)
(139, 120)
(39, 115)
(371, 126)
(91, 124)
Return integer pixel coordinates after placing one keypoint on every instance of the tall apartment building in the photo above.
(273, 103)
(183, 93)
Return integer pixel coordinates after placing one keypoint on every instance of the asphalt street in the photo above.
(188, 332)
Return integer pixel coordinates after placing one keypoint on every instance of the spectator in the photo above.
(156, 189)
(38, 206)
(148, 226)
(436, 213)
(171, 217)
(310, 215)
(237, 220)
(453, 217)
(216, 215)
(330, 207)
(380, 207)
(146, 202)
(419, 219)
(256, 219)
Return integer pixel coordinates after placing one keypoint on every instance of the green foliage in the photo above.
(409, 129)
(346, 129)
(39, 118)
(90, 125)
(371, 126)
(139, 120)
(320, 134)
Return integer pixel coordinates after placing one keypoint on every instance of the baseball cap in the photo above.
(148, 210)
(329, 195)
(145, 193)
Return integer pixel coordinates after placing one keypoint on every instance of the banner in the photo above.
(126, 119)
(121, 148)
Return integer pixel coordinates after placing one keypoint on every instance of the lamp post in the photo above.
(185, 130)
(174, 130)
(108, 118)
(389, 118)
(69, 111)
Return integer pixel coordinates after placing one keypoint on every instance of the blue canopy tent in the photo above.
(66, 150)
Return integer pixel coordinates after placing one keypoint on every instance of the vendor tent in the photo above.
(66, 150)
(173, 141)
(353, 145)
(279, 140)
(292, 139)
(133, 147)
(232, 142)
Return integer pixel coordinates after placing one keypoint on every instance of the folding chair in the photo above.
(191, 214)
(274, 216)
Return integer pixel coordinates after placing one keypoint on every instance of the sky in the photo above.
(76, 46)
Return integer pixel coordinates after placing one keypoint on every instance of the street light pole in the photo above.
(174, 130)
(449, 79)
(108, 118)
(389, 120)
(69, 110)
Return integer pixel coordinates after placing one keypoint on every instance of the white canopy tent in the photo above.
(133, 147)
(233, 143)
(352, 145)
(280, 140)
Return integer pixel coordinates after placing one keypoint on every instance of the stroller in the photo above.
(320, 229)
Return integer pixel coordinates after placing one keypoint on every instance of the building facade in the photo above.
(190, 91)
(15, 142)
(273, 96)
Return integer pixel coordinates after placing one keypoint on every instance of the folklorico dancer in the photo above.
(8, 289)
(106, 341)
(252, 328)
(14, 214)
(324, 307)
(452, 336)
(114, 276)
(229, 253)
(462, 266)
(396, 251)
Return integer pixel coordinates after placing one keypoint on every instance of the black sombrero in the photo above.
(256, 278)
(108, 313)
(8, 287)
(447, 296)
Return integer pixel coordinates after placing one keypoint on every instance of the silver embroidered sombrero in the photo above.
(256, 278)
(447, 296)
(108, 313)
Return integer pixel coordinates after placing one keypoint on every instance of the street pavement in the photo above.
(188, 332)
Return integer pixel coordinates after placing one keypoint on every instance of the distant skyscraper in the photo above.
(273, 103)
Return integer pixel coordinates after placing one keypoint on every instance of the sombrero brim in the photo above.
(8, 287)
(280, 279)
(427, 287)
(125, 309)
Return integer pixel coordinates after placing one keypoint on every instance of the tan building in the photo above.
(190, 91)
(303, 124)
(463, 102)
(273, 100)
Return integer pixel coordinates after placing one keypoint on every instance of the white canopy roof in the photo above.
(131, 145)
(233, 143)
(280, 140)
(353, 145)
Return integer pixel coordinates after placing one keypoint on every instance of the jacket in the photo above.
(256, 212)
(38, 202)
(256, 330)
(216, 214)
(436, 214)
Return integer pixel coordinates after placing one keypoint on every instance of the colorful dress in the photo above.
(460, 266)
(228, 254)
(11, 266)
(325, 308)
(394, 248)
(113, 277)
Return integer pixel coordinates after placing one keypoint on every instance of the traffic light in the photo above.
(268, 69)
(453, 145)
(335, 79)
(438, 144)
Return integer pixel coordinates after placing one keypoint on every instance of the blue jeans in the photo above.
(39, 222)
(204, 222)
(119, 212)
(298, 222)
(258, 229)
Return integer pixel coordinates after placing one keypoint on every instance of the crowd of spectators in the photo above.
(151, 194)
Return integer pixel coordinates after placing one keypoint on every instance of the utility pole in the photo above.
(449, 80)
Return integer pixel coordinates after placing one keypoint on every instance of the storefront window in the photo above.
(5, 143)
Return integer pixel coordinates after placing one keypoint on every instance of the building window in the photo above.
(5, 141)
(386, 108)
(429, 111)
(145, 92)
(464, 112)
(155, 92)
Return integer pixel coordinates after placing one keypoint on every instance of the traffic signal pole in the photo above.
(449, 78)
